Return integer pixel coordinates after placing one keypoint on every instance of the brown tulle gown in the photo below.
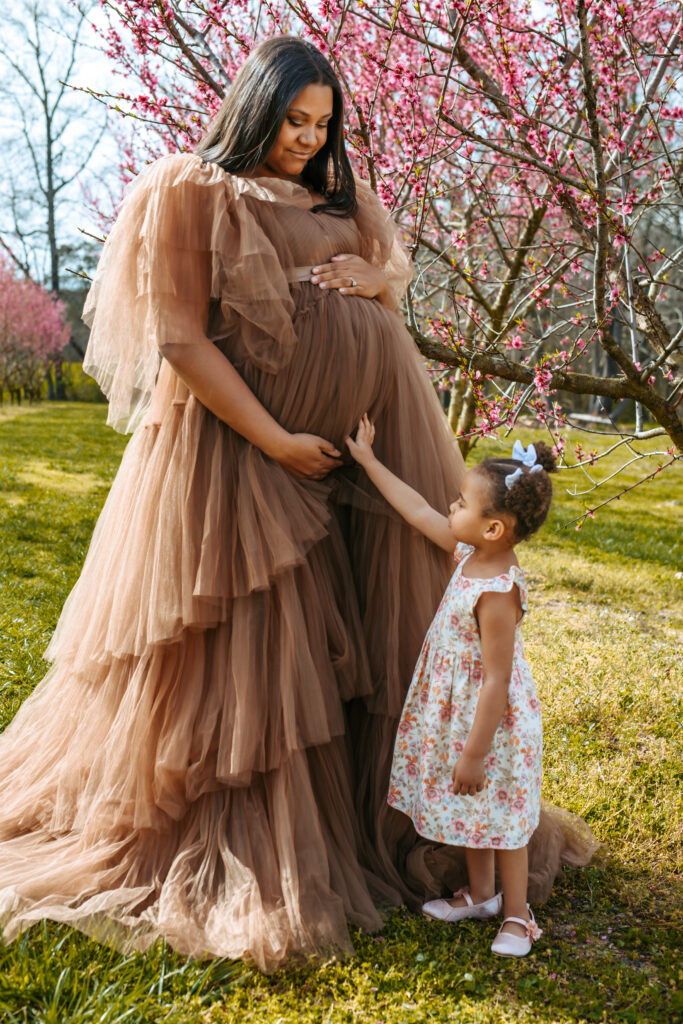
(208, 755)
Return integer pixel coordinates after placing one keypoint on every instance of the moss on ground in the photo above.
(604, 640)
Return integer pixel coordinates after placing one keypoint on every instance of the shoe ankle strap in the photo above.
(465, 893)
(532, 929)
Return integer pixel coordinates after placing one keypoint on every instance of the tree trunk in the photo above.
(60, 390)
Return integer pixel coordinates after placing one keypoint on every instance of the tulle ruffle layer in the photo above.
(262, 871)
(193, 522)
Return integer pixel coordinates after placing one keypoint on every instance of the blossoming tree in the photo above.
(532, 154)
(33, 331)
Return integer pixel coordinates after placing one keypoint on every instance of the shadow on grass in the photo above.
(608, 953)
(627, 535)
(603, 957)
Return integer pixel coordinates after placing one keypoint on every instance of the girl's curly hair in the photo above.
(528, 500)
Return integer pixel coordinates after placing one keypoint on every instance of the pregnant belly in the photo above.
(341, 366)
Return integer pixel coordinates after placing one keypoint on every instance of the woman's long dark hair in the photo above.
(245, 129)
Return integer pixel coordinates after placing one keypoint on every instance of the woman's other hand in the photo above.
(306, 455)
(345, 269)
(361, 448)
(469, 775)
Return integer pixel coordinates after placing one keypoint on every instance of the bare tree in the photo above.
(49, 137)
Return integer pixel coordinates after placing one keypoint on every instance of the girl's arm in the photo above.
(497, 615)
(411, 505)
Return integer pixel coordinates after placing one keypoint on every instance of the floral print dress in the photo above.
(437, 718)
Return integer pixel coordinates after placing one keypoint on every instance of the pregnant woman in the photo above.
(208, 756)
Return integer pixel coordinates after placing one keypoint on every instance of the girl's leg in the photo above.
(480, 871)
(513, 867)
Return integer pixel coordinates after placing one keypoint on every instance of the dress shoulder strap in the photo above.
(501, 584)
(461, 552)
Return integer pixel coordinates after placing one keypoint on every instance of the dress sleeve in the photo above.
(380, 241)
(460, 551)
(504, 583)
(183, 237)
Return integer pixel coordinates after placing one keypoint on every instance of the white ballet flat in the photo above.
(442, 910)
(507, 944)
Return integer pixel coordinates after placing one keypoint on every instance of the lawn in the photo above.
(604, 640)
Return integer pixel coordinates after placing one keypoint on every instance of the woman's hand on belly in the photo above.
(345, 269)
(306, 455)
(213, 379)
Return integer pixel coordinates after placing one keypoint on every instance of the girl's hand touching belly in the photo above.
(352, 275)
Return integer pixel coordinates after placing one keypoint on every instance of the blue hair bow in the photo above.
(528, 460)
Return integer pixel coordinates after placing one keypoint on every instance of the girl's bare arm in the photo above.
(497, 615)
(411, 505)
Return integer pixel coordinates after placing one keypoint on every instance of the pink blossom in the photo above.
(33, 331)
(543, 379)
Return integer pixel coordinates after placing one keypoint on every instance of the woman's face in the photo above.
(303, 132)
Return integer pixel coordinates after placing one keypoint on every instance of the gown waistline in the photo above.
(295, 274)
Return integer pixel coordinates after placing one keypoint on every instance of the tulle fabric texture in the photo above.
(207, 758)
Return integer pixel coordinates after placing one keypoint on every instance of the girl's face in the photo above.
(303, 132)
(467, 521)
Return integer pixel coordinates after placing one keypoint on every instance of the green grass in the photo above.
(604, 640)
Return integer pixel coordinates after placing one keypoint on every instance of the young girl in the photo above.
(467, 760)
